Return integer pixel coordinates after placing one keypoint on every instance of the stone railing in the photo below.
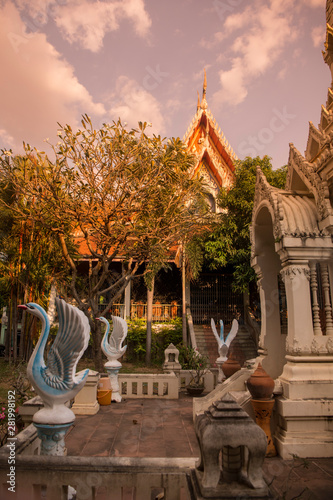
(151, 385)
(54, 478)
(161, 312)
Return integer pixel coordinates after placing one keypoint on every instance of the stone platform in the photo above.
(164, 428)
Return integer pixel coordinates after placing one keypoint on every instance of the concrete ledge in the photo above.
(235, 383)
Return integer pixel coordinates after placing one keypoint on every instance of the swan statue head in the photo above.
(112, 346)
(56, 381)
(223, 345)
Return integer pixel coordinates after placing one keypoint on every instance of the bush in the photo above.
(163, 334)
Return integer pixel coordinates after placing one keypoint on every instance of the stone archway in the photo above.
(267, 265)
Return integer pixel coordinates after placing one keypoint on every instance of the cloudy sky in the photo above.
(144, 60)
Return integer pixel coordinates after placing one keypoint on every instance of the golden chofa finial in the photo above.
(204, 104)
(198, 105)
(204, 84)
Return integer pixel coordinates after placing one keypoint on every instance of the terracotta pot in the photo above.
(260, 384)
(230, 367)
(104, 383)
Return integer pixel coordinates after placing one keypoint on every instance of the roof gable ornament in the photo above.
(207, 142)
(204, 104)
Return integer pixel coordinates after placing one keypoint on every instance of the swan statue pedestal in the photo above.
(56, 381)
(113, 350)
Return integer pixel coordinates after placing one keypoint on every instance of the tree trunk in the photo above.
(8, 341)
(15, 325)
(184, 299)
(97, 351)
(150, 298)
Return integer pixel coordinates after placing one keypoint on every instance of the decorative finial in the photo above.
(204, 104)
(198, 105)
(204, 84)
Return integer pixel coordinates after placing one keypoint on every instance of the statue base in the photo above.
(52, 438)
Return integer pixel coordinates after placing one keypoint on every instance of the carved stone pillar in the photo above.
(271, 342)
(296, 278)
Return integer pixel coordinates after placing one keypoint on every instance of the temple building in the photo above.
(292, 254)
(210, 296)
(214, 155)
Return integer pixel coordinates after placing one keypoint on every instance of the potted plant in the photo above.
(197, 364)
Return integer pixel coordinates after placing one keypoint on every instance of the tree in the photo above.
(27, 263)
(109, 195)
(230, 243)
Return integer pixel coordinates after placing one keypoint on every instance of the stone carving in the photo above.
(295, 348)
(318, 347)
(55, 382)
(329, 345)
(266, 192)
(113, 350)
(228, 428)
(171, 360)
(317, 185)
(295, 272)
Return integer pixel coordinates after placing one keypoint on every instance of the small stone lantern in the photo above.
(225, 430)
(171, 361)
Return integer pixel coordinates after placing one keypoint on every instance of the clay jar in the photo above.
(230, 367)
(260, 384)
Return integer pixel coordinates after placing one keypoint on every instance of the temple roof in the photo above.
(204, 138)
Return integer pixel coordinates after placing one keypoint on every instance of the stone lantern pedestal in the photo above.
(85, 402)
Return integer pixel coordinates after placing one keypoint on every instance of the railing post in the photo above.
(328, 307)
(315, 305)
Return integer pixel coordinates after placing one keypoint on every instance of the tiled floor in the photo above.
(136, 428)
(164, 428)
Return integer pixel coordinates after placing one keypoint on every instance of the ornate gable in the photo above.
(215, 157)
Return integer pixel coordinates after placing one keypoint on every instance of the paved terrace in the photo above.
(164, 428)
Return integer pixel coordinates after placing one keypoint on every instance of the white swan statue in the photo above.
(56, 381)
(223, 345)
(113, 350)
(112, 346)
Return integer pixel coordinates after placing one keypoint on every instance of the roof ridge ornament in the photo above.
(204, 104)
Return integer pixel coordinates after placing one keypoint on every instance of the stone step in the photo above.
(242, 347)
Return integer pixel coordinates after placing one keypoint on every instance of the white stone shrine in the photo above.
(292, 254)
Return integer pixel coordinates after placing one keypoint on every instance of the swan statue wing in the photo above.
(70, 343)
(221, 330)
(216, 335)
(119, 333)
(233, 332)
(112, 347)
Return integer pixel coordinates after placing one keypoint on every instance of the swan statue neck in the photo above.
(40, 346)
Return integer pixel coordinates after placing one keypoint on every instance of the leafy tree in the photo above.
(109, 195)
(28, 262)
(229, 244)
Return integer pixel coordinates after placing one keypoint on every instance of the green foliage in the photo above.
(163, 334)
(191, 359)
(108, 193)
(229, 244)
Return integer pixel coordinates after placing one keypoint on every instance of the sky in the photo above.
(144, 60)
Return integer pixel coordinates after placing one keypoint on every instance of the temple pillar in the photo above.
(271, 341)
(296, 278)
(304, 424)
